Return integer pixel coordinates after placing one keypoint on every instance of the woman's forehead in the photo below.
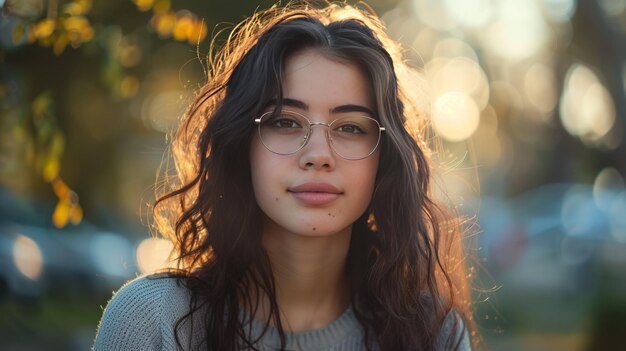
(320, 82)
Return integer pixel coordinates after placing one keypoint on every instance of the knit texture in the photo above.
(143, 313)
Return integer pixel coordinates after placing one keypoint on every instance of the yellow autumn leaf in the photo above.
(164, 24)
(182, 28)
(44, 28)
(87, 34)
(61, 190)
(61, 214)
(74, 9)
(198, 32)
(78, 7)
(144, 5)
(78, 27)
(51, 169)
(75, 23)
(76, 215)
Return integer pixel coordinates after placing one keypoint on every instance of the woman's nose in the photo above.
(317, 153)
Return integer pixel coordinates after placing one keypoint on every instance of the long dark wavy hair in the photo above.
(405, 264)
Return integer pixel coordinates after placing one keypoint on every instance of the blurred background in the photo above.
(527, 96)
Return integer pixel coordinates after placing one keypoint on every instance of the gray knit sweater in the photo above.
(143, 313)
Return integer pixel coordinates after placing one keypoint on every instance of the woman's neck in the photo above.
(310, 276)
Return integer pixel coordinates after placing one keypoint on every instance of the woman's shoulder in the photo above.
(155, 292)
(140, 314)
(151, 288)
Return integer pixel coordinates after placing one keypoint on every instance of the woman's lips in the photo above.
(315, 193)
(315, 198)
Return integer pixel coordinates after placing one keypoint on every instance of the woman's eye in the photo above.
(284, 123)
(350, 128)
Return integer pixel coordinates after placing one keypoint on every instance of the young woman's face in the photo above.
(314, 191)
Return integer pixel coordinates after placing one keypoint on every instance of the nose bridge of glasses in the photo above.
(313, 124)
(326, 135)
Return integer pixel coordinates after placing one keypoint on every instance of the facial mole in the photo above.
(314, 229)
(276, 199)
(328, 214)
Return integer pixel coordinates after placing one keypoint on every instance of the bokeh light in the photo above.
(433, 13)
(161, 111)
(519, 30)
(455, 116)
(586, 108)
(459, 74)
(540, 87)
(470, 13)
(607, 186)
(153, 254)
(27, 257)
(113, 254)
(560, 10)
(454, 47)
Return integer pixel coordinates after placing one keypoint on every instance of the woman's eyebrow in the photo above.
(352, 108)
(339, 109)
(289, 102)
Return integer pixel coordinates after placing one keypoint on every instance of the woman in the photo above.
(302, 216)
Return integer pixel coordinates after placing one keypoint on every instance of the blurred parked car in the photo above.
(36, 260)
(552, 256)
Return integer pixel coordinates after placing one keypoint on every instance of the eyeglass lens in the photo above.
(352, 137)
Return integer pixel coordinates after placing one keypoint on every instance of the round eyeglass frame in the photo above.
(257, 121)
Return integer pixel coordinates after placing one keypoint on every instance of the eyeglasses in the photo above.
(287, 132)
